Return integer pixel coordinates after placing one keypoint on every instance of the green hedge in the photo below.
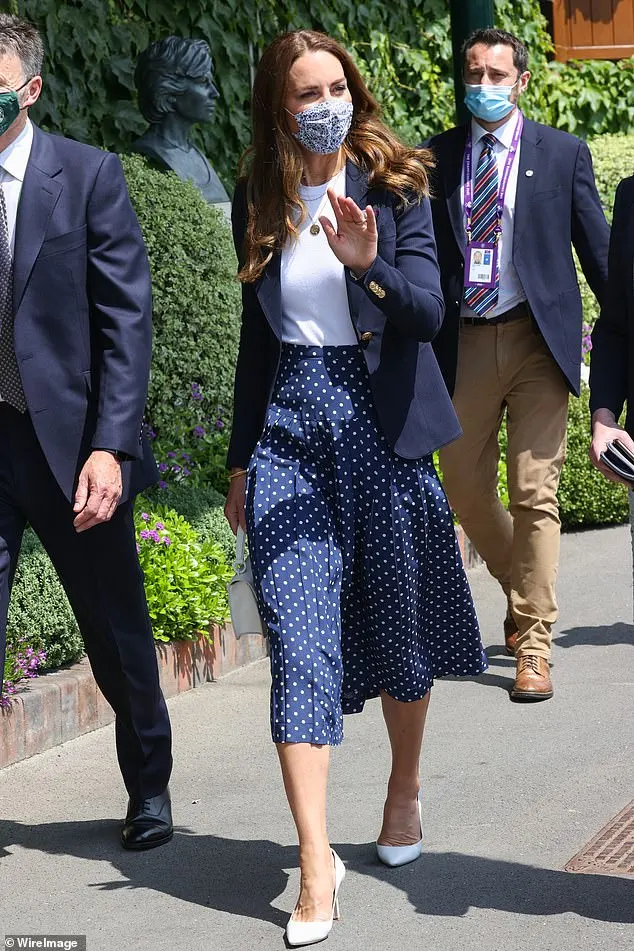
(196, 298)
(402, 47)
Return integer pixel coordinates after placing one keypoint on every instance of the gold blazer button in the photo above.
(366, 337)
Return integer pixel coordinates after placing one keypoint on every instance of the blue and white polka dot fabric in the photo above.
(354, 554)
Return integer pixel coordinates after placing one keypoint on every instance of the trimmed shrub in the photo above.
(39, 611)
(203, 508)
(197, 300)
(585, 496)
(612, 160)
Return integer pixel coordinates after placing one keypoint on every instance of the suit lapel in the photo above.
(530, 161)
(39, 195)
(452, 170)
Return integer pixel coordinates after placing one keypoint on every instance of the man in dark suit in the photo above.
(511, 340)
(75, 342)
(612, 355)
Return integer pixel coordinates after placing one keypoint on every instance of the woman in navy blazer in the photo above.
(339, 404)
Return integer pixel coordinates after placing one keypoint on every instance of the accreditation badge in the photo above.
(481, 262)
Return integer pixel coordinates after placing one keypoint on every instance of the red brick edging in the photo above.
(470, 557)
(63, 704)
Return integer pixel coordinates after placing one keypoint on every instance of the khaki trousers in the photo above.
(509, 366)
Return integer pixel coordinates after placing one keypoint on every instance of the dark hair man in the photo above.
(511, 339)
(75, 342)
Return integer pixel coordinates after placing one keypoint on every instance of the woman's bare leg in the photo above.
(405, 726)
(305, 773)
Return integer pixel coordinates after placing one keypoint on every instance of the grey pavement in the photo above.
(511, 793)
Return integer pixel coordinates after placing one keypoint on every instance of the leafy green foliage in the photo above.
(185, 578)
(196, 310)
(202, 506)
(403, 48)
(196, 453)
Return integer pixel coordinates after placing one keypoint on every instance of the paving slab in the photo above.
(511, 793)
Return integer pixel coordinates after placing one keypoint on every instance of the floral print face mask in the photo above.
(324, 126)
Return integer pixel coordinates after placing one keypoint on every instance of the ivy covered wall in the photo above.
(402, 46)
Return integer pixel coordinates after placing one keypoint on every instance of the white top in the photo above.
(13, 162)
(511, 291)
(315, 309)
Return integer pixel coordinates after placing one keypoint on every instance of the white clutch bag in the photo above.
(243, 604)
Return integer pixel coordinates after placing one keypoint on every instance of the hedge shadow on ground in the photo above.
(601, 636)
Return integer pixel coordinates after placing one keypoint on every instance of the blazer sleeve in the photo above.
(408, 292)
(119, 291)
(254, 364)
(609, 370)
(590, 230)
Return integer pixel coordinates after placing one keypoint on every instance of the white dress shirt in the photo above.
(511, 291)
(315, 310)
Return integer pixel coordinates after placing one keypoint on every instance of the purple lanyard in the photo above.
(468, 178)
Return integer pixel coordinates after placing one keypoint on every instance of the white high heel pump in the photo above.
(394, 855)
(299, 933)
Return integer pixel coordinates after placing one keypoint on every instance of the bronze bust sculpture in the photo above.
(174, 79)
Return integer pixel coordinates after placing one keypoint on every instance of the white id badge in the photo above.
(481, 265)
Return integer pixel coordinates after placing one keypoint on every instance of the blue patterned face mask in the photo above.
(324, 126)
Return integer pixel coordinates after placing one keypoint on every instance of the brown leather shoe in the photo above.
(532, 681)
(510, 635)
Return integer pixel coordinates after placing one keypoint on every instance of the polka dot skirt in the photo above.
(354, 554)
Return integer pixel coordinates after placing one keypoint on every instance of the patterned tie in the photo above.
(483, 222)
(10, 383)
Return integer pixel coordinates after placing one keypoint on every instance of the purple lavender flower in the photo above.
(199, 432)
(159, 527)
(167, 540)
(162, 485)
(145, 534)
(220, 424)
(186, 472)
(145, 516)
(162, 467)
(154, 535)
(196, 394)
(138, 549)
(171, 455)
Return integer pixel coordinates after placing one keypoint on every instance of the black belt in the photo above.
(515, 313)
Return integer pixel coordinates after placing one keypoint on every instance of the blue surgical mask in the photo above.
(489, 103)
(324, 126)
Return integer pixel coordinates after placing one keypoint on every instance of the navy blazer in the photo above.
(83, 311)
(396, 309)
(556, 206)
(612, 354)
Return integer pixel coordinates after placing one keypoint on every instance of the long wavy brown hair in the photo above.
(272, 166)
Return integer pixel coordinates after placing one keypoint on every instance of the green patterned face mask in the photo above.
(10, 107)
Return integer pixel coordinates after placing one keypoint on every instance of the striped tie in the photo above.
(483, 222)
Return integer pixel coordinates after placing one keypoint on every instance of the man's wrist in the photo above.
(119, 456)
(605, 417)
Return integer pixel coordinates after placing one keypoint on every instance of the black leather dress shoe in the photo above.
(148, 822)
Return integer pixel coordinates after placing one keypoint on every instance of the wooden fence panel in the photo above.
(593, 29)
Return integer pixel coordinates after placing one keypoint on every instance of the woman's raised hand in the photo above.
(354, 241)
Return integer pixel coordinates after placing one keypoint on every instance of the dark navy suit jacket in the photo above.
(612, 355)
(556, 206)
(396, 309)
(83, 313)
